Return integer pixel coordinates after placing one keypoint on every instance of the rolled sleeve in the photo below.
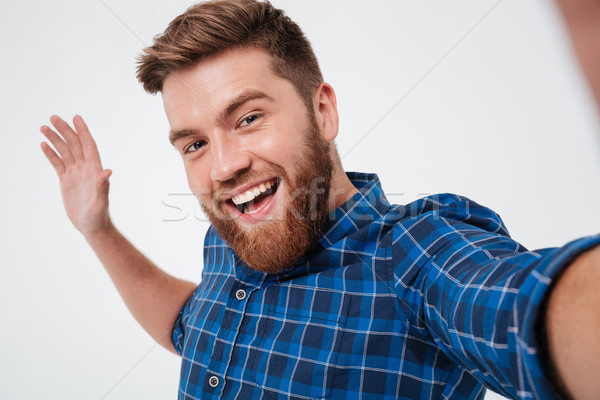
(179, 327)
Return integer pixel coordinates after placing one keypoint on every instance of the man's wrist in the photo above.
(101, 234)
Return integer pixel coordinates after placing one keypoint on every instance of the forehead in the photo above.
(213, 82)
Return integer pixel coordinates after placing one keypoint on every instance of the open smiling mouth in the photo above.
(256, 198)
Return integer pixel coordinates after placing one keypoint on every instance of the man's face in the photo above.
(253, 155)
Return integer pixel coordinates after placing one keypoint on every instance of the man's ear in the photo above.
(326, 114)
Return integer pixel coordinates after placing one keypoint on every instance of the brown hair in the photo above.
(210, 28)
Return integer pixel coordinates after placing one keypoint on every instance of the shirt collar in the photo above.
(367, 205)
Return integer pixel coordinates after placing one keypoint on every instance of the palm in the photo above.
(83, 182)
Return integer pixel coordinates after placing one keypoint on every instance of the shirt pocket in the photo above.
(300, 337)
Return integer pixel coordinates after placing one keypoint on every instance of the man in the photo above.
(313, 285)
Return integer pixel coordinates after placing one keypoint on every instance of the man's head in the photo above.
(254, 124)
(214, 27)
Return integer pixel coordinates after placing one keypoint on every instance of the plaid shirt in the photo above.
(428, 300)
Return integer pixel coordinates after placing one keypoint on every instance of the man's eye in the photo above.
(195, 146)
(248, 120)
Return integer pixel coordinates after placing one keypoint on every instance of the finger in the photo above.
(70, 136)
(88, 144)
(59, 144)
(54, 159)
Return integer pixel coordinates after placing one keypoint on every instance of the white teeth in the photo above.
(252, 193)
(240, 199)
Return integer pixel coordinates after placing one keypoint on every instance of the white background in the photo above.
(478, 97)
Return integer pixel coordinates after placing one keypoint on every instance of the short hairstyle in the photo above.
(209, 28)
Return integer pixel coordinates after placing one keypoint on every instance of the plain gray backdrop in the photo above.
(477, 97)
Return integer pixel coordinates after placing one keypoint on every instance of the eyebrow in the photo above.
(181, 133)
(233, 105)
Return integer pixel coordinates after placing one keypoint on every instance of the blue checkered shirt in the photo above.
(430, 300)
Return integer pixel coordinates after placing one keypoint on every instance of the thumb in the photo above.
(102, 182)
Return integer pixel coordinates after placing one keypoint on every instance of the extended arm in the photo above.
(153, 297)
(573, 324)
(482, 296)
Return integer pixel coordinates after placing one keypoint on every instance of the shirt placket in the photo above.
(220, 360)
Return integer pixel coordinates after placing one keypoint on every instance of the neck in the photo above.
(341, 189)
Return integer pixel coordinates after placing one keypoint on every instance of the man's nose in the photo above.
(229, 156)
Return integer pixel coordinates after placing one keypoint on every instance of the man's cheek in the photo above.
(203, 196)
(201, 192)
(196, 184)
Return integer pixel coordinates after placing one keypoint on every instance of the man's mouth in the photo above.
(255, 198)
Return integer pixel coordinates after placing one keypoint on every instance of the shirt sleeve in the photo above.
(464, 284)
(180, 325)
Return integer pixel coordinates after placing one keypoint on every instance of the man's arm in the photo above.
(153, 297)
(478, 293)
(573, 326)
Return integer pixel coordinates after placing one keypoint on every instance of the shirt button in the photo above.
(213, 381)
(240, 294)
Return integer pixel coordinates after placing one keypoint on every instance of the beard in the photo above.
(273, 246)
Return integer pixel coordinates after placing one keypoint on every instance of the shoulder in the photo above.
(447, 208)
(445, 226)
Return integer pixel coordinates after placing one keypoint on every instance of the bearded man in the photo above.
(313, 285)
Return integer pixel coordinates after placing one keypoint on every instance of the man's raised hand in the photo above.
(83, 181)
